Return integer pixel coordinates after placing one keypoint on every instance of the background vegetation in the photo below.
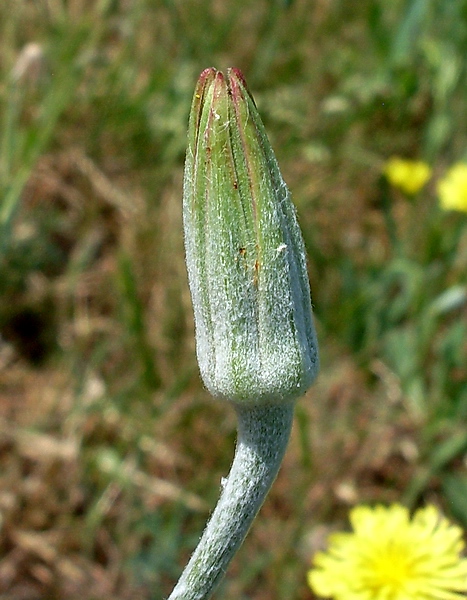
(111, 452)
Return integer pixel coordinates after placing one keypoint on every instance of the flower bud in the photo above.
(245, 255)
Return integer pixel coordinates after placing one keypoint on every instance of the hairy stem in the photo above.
(263, 433)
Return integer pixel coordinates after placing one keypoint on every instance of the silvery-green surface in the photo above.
(263, 433)
(245, 255)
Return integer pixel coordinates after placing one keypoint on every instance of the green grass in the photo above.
(111, 452)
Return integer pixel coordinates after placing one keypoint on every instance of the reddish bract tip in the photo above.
(207, 73)
(219, 78)
(238, 74)
(206, 76)
(237, 84)
(235, 80)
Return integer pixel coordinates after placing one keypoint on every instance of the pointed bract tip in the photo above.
(255, 337)
(237, 73)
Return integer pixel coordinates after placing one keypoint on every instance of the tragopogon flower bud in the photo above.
(255, 337)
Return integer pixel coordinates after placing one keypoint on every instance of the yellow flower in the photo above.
(407, 175)
(390, 557)
(452, 189)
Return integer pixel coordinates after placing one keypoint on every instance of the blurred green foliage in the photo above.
(95, 319)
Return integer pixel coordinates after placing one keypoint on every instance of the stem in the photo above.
(263, 433)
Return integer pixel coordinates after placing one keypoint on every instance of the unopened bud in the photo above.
(255, 337)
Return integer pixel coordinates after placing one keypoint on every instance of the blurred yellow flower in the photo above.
(407, 175)
(390, 557)
(452, 188)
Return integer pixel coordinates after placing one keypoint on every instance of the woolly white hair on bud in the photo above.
(255, 337)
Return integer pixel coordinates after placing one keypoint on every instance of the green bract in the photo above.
(255, 337)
